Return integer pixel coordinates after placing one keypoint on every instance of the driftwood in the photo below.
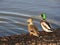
(26, 39)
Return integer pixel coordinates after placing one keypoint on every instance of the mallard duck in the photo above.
(33, 30)
(45, 25)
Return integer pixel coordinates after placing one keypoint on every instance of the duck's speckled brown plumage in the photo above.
(33, 30)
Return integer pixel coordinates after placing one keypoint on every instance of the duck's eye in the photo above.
(41, 15)
(28, 22)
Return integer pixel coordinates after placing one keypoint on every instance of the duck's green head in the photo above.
(43, 15)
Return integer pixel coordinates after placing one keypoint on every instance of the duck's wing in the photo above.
(50, 27)
(48, 24)
(33, 28)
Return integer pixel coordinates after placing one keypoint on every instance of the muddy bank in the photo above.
(26, 39)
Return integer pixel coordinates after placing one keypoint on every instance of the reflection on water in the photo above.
(14, 13)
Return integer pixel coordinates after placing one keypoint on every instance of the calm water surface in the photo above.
(14, 14)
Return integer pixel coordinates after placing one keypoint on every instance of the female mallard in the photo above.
(33, 30)
(45, 25)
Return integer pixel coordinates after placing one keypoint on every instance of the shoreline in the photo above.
(26, 39)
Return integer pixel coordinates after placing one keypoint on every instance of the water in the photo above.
(14, 14)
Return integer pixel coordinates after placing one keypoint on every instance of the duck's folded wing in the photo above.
(46, 25)
(33, 27)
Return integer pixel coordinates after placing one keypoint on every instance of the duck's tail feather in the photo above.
(52, 29)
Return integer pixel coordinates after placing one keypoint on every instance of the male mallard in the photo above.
(33, 30)
(45, 25)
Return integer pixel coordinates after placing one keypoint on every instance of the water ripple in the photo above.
(15, 23)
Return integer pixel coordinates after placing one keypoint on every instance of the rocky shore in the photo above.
(26, 39)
